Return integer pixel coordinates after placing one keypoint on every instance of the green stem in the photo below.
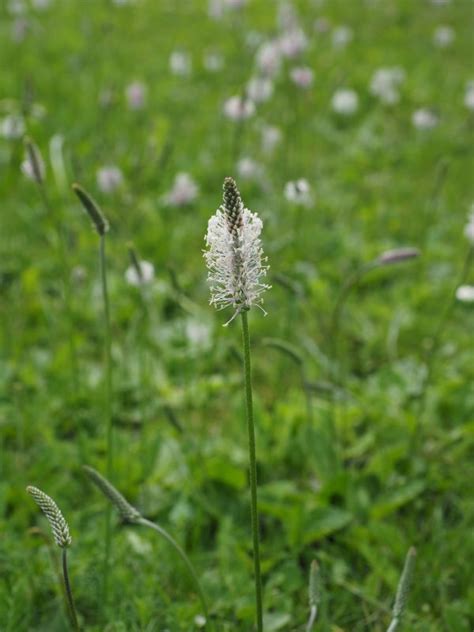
(108, 408)
(253, 468)
(69, 598)
(147, 523)
(393, 625)
(312, 618)
(66, 282)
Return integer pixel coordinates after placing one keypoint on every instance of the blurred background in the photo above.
(348, 127)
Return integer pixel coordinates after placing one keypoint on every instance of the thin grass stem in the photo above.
(253, 468)
(107, 407)
(66, 282)
(68, 591)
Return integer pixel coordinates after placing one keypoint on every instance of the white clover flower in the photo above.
(444, 36)
(342, 36)
(183, 192)
(16, 7)
(234, 4)
(234, 255)
(268, 58)
(465, 293)
(249, 169)
(298, 192)
(180, 63)
(271, 137)
(19, 29)
(12, 127)
(41, 5)
(215, 9)
(259, 89)
(469, 95)
(140, 273)
(424, 119)
(385, 83)
(287, 18)
(213, 62)
(136, 93)
(469, 227)
(302, 76)
(345, 102)
(200, 620)
(238, 108)
(109, 178)
(293, 43)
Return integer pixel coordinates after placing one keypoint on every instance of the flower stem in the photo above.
(61, 246)
(147, 523)
(253, 468)
(108, 408)
(69, 598)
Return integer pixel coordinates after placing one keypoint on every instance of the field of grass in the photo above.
(362, 374)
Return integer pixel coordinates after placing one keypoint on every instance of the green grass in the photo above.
(384, 460)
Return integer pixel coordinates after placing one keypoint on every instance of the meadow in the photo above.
(348, 127)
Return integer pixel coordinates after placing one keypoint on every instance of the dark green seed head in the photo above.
(92, 209)
(233, 206)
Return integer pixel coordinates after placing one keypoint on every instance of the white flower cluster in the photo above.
(385, 84)
(136, 94)
(345, 102)
(469, 227)
(298, 192)
(469, 95)
(234, 254)
(141, 274)
(424, 119)
(109, 178)
(238, 108)
(184, 191)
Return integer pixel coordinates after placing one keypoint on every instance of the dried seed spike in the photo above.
(127, 512)
(92, 209)
(55, 518)
(35, 159)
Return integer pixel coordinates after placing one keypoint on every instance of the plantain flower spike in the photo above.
(234, 255)
(58, 523)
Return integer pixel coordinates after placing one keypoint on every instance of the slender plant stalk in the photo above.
(253, 468)
(131, 515)
(151, 525)
(66, 282)
(69, 597)
(108, 407)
